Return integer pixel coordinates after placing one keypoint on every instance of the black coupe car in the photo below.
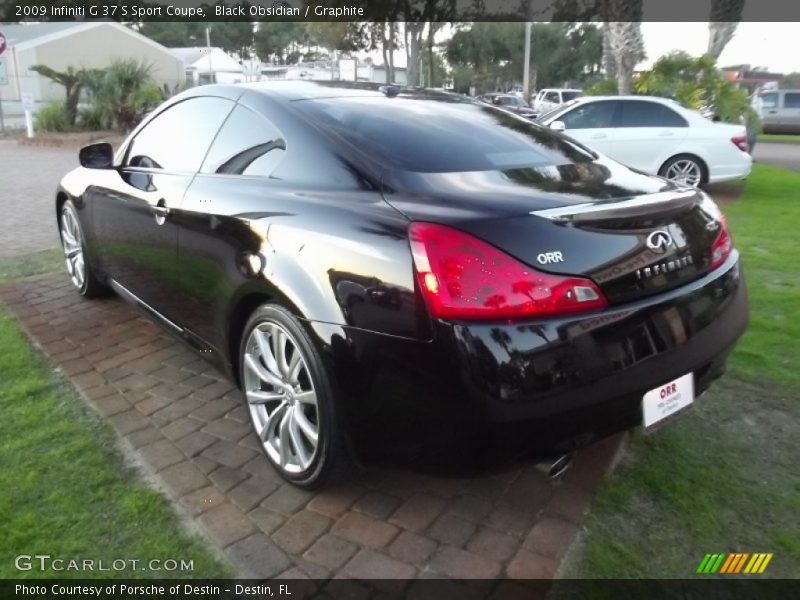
(380, 267)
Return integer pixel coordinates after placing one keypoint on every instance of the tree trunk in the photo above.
(392, 34)
(609, 62)
(432, 28)
(414, 31)
(384, 51)
(723, 20)
(628, 48)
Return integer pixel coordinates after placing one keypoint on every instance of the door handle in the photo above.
(772, 112)
(599, 136)
(160, 210)
(666, 134)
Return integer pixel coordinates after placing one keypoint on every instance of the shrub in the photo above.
(122, 93)
(604, 87)
(53, 117)
(94, 118)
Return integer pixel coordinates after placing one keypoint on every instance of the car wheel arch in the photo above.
(239, 314)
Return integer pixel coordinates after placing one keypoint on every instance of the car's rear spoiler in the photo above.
(636, 206)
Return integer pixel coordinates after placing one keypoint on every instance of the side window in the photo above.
(178, 138)
(649, 114)
(552, 97)
(769, 100)
(247, 144)
(592, 115)
(791, 100)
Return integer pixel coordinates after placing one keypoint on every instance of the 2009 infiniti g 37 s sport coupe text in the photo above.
(383, 268)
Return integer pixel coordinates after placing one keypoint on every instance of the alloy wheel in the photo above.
(685, 171)
(72, 241)
(281, 397)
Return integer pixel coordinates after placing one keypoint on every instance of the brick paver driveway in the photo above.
(28, 180)
(187, 426)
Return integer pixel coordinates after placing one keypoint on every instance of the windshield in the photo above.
(437, 136)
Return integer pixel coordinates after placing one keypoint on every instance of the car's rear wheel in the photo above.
(685, 169)
(289, 398)
(73, 242)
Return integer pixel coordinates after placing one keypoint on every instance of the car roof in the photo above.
(658, 99)
(309, 90)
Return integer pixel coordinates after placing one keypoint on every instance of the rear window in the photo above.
(434, 136)
(567, 96)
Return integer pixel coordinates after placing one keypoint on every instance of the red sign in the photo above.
(2, 43)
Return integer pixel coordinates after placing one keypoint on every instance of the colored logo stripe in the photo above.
(735, 563)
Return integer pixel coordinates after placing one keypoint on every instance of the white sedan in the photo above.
(657, 136)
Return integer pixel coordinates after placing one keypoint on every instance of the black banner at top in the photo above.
(402, 10)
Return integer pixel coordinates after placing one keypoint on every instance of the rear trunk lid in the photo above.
(632, 234)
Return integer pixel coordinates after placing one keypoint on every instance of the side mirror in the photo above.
(97, 156)
(558, 126)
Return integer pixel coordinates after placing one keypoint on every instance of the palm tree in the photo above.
(123, 91)
(624, 39)
(723, 20)
(73, 81)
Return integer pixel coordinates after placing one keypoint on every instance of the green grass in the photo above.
(35, 263)
(66, 489)
(779, 138)
(723, 477)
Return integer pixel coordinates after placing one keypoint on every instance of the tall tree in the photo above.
(723, 20)
(235, 37)
(625, 39)
(274, 38)
(174, 34)
(416, 13)
(491, 55)
(73, 81)
(609, 62)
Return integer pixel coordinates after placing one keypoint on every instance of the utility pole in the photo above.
(526, 74)
(208, 45)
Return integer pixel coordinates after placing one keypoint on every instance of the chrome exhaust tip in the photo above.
(555, 468)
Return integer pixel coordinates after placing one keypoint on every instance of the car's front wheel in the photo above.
(289, 398)
(74, 243)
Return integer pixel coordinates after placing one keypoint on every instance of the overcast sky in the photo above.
(772, 45)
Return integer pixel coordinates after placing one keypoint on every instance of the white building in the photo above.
(203, 65)
(328, 71)
(80, 45)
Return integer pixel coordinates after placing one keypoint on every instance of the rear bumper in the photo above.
(549, 384)
(734, 169)
(526, 371)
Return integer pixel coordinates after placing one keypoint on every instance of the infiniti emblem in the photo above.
(659, 241)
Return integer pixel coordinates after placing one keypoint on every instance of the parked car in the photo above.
(380, 268)
(657, 136)
(550, 98)
(779, 111)
(511, 103)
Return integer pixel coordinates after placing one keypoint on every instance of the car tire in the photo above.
(289, 398)
(687, 164)
(73, 241)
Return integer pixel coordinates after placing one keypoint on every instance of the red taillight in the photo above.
(722, 246)
(462, 277)
(740, 141)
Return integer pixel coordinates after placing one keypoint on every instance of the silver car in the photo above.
(779, 110)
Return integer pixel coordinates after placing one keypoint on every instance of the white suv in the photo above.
(549, 98)
(657, 136)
